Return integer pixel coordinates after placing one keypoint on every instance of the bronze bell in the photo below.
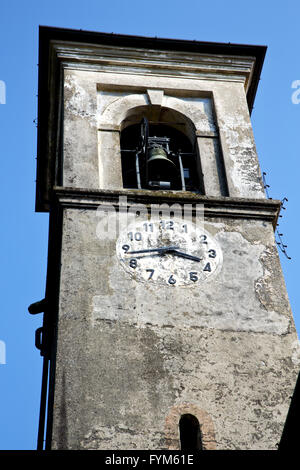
(162, 172)
(158, 153)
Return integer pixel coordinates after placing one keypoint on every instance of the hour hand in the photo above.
(185, 255)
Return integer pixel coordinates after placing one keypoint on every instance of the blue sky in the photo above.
(23, 237)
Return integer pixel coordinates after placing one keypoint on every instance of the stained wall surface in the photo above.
(131, 357)
(129, 354)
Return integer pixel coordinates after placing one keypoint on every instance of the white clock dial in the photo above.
(173, 252)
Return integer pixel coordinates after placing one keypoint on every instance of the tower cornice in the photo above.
(213, 207)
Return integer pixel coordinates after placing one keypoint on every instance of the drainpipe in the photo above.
(42, 344)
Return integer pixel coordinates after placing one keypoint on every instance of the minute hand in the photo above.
(184, 255)
(162, 249)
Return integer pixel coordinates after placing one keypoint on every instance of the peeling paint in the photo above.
(78, 101)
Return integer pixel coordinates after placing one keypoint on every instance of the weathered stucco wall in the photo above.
(129, 355)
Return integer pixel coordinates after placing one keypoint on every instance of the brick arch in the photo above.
(172, 426)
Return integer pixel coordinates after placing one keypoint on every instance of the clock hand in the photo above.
(166, 249)
(185, 255)
(160, 249)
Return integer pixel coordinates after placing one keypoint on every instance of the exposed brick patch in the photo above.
(172, 426)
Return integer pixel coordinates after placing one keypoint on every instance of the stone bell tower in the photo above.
(166, 319)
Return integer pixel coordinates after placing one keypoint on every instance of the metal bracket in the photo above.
(37, 307)
(39, 339)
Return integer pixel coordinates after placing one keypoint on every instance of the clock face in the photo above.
(169, 252)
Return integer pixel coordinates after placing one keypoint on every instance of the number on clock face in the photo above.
(172, 252)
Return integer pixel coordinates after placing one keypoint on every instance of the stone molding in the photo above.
(262, 209)
(134, 60)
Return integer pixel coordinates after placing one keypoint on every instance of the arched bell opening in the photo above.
(157, 155)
